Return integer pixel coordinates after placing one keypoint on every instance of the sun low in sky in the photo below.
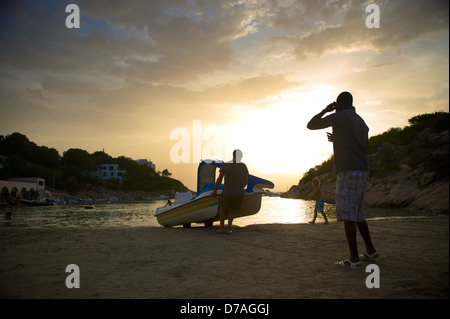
(160, 79)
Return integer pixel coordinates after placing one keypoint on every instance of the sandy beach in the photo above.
(289, 261)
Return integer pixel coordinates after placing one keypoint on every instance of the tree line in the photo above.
(24, 158)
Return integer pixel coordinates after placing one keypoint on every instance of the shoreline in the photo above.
(269, 261)
(105, 215)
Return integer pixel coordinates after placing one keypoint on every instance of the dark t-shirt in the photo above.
(350, 138)
(236, 175)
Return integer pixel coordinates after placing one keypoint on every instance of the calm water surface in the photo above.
(141, 213)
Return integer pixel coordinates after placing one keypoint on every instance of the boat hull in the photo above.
(36, 202)
(203, 210)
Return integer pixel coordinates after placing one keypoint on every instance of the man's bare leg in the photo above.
(222, 220)
(231, 215)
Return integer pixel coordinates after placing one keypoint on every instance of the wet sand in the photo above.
(289, 261)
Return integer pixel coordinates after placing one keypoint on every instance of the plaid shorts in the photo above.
(350, 189)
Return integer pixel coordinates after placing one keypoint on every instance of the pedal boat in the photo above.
(203, 208)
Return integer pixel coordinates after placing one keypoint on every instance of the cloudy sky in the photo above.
(179, 80)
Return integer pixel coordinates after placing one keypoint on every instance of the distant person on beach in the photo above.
(349, 138)
(236, 178)
(8, 217)
(317, 196)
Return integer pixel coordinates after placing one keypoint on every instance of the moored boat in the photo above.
(37, 202)
(203, 208)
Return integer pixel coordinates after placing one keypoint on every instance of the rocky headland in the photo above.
(409, 168)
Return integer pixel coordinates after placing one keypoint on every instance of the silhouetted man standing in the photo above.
(350, 138)
(236, 178)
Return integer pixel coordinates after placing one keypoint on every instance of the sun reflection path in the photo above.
(276, 210)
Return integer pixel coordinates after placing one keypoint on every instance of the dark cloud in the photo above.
(341, 25)
(185, 39)
(173, 42)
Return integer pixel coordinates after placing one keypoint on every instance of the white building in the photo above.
(107, 171)
(146, 162)
(21, 185)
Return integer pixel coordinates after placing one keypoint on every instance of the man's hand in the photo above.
(217, 185)
(330, 137)
(330, 107)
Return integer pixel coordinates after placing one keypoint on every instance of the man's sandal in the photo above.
(349, 264)
(366, 257)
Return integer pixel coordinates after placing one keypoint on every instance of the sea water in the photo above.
(141, 213)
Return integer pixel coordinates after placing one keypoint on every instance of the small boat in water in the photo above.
(89, 206)
(203, 208)
(44, 202)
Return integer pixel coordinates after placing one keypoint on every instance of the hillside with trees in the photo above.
(71, 171)
(409, 167)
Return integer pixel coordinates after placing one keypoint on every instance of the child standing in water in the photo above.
(317, 196)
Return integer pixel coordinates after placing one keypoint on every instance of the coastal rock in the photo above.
(433, 198)
(387, 192)
(401, 195)
(412, 175)
(427, 178)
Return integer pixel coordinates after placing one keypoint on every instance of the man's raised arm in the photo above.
(317, 122)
